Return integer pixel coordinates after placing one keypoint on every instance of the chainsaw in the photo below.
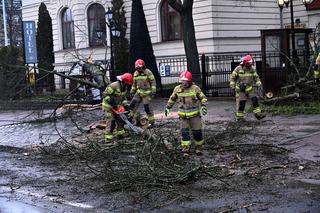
(121, 114)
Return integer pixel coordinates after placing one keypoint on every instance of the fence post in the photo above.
(203, 73)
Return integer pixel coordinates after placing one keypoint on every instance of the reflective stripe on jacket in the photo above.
(188, 100)
(114, 93)
(241, 75)
(189, 113)
(317, 67)
(143, 83)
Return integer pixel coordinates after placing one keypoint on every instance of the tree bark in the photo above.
(189, 38)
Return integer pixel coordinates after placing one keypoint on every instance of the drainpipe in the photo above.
(4, 16)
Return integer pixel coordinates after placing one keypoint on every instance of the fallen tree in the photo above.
(298, 91)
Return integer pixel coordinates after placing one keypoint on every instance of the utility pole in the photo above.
(4, 16)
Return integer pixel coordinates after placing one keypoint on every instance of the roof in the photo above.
(315, 5)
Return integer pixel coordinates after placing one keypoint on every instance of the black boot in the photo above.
(259, 116)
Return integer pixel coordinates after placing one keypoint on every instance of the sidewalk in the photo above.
(218, 109)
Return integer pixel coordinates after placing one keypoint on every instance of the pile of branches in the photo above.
(151, 165)
(301, 86)
(137, 163)
(301, 90)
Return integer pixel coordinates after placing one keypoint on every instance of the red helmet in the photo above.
(185, 76)
(126, 78)
(247, 60)
(139, 64)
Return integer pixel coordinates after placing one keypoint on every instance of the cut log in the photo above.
(283, 98)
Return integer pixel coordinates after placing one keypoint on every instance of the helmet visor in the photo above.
(183, 79)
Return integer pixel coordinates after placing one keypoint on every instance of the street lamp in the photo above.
(306, 2)
(281, 4)
(114, 32)
(99, 33)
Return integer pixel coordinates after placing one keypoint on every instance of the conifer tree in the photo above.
(12, 79)
(45, 47)
(121, 44)
(140, 41)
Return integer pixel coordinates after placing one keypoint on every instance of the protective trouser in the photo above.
(241, 99)
(195, 125)
(146, 100)
(114, 126)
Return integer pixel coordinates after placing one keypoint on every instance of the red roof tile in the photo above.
(315, 5)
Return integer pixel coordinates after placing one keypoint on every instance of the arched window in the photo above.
(67, 29)
(171, 23)
(96, 23)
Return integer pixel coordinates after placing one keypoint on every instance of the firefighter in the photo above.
(191, 103)
(243, 79)
(114, 99)
(317, 70)
(142, 90)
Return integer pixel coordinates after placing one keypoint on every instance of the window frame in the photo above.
(165, 21)
(92, 22)
(67, 29)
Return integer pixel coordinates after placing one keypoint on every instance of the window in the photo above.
(171, 23)
(67, 29)
(96, 22)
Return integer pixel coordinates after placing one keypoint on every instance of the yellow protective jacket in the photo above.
(115, 94)
(317, 68)
(189, 100)
(241, 75)
(143, 83)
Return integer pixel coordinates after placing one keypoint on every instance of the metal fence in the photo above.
(215, 73)
(177, 66)
(273, 68)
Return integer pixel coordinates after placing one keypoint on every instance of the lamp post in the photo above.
(281, 4)
(99, 35)
(113, 32)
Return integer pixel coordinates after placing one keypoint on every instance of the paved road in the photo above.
(14, 169)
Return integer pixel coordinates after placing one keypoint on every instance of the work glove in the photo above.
(113, 104)
(153, 95)
(132, 93)
(260, 91)
(204, 109)
(154, 90)
(242, 87)
(127, 107)
(167, 111)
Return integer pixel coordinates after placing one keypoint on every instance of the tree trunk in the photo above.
(190, 44)
(189, 37)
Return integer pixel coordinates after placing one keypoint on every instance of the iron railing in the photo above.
(272, 67)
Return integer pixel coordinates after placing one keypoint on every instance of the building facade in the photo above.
(220, 25)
